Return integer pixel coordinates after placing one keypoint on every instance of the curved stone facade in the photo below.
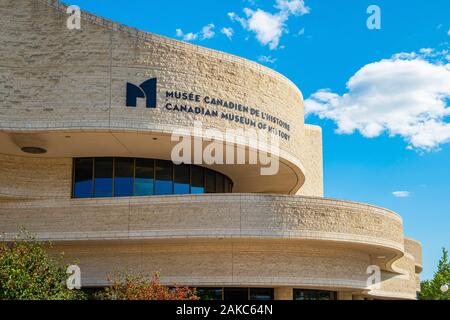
(65, 91)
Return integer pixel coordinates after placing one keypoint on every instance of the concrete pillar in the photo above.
(344, 295)
(284, 293)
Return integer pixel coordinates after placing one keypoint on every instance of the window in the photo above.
(144, 177)
(228, 185)
(181, 180)
(103, 174)
(261, 294)
(197, 180)
(210, 181)
(163, 177)
(220, 183)
(235, 294)
(123, 177)
(244, 294)
(210, 293)
(300, 294)
(83, 170)
(127, 177)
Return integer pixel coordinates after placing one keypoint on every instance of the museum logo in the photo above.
(146, 90)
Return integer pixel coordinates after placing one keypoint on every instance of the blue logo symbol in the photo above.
(146, 90)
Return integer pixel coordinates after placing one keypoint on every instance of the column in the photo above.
(284, 293)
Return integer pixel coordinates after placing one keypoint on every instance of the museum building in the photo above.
(86, 137)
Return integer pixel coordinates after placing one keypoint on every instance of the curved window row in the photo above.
(236, 294)
(300, 294)
(127, 177)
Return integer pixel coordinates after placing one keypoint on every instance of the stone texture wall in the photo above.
(203, 216)
(26, 177)
(414, 248)
(55, 79)
(225, 263)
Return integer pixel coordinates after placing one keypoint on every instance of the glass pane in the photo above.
(209, 293)
(143, 184)
(219, 183)
(228, 185)
(210, 181)
(103, 182)
(237, 294)
(83, 178)
(198, 184)
(325, 295)
(123, 177)
(181, 180)
(164, 172)
(261, 294)
(300, 294)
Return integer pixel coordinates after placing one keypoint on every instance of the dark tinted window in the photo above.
(210, 181)
(209, 293)
(261, 294)
(181, 180)
(83, 170)
(228, 186)
(144, 177)
(123, 177)
(198, 183)
(103, 174)
(164, 176)
(300, 294)
(220, 183)
(240, 294)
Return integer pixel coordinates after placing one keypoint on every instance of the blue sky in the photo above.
(386, 131)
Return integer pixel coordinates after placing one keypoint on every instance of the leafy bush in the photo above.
(129, 287)
(27, 272)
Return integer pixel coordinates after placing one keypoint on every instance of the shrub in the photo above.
(129, 287)
(27, 272)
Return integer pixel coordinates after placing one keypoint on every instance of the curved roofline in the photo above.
(145, 35)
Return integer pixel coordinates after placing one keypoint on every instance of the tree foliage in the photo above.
(431, 289)
(129, 287)
(27, 272)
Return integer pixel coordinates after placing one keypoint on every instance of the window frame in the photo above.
(192, 169)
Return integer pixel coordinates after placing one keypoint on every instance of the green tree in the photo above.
(27, 272)
(431, 289)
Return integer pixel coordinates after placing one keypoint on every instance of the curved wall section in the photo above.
(192, 216)
(60, 80)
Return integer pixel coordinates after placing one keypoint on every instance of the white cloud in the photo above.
(426, 51)
(406, 95)
(234, 17)
(267, 59)
(207, 32)
(401, 194)
(186, 37)
(269, 27)
(448, 32)
(296, 7)
(228, 32)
